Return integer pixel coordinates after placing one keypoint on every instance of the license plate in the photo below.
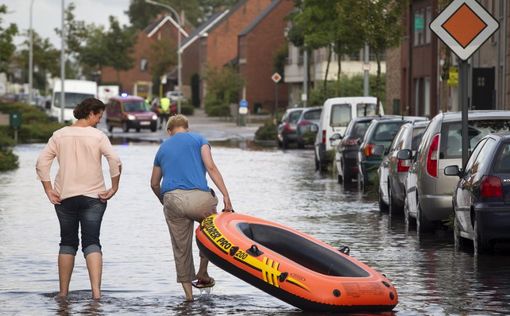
(145, 123)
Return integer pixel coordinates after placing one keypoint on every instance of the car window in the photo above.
(502, 161)
(473, 156)
(294, 116)
(366, 109)
(341, 115)
(451, 137)
(386, 131)
(360, 129)
(313, 115)
(398, 141)
(135, 106)
(71, 99)
(483, 158)
(417, 136)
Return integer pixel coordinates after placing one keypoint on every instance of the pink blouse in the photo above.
(79, 151)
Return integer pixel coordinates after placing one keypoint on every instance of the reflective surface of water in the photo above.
(139, 274)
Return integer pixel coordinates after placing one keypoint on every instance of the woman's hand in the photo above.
(53, 196)
(106, 195)
(227, 204)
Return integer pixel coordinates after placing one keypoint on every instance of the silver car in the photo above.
(441, 146)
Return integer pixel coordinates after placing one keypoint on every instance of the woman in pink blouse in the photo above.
(79, 193)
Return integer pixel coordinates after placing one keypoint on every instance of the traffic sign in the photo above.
(464, 26)
(276, 77)
(243, 103)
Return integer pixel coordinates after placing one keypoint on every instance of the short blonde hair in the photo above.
(178, 120)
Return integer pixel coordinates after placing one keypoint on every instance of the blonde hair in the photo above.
(178, 120)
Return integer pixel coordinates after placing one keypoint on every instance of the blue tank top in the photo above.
(180, 160)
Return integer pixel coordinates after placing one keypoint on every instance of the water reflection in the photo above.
(431, 277)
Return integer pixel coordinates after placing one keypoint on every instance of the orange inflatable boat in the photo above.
(293, 266)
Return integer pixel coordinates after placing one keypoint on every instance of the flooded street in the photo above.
(139, 273)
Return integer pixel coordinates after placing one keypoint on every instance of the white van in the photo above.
(75, 92)
(336, 115)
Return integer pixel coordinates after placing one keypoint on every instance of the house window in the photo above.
(419, 27)
(144, 64)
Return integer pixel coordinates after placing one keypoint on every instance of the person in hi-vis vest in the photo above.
(164, 112)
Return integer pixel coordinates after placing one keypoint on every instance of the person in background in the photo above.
(79, 193)
(164, 112)
(182, 162)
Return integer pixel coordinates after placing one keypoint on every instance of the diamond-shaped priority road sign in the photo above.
(276, 77)
(464, 26)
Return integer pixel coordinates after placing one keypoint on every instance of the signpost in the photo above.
(276, 77)
(243, 110)
(464, 26)
(15, 122)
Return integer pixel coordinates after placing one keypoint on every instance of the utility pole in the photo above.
(30, 55)
(366, 71)
(62, 65)
(304, 97)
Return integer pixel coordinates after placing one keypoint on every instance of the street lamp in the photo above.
(30, 56)
(62, 63)
(179, 52)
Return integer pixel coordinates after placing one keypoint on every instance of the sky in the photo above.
(47, 15)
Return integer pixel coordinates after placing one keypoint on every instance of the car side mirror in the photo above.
(335, 137)
(378, 150)
(404, 154)
(314, 128)
(453, 171)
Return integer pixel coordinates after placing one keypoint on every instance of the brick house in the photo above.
(215, 43)
(258, 44)
(138, 80)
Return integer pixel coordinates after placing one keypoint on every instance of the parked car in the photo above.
(307, 125)
(441, 146)
(393, 171)
(129, 112)
(336, 115)
(346, 155)
(481, 199)
(376, 143)
(287, 129)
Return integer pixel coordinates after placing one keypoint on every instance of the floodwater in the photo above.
(139, 275)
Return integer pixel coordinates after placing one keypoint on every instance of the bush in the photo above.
(8, 160)
(187, 109)
(223, 87)
(266, 132)
(215, 107)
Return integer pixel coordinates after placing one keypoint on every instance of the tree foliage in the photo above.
(118, 43)
(7, 46)
(163, 56)
(223, 88)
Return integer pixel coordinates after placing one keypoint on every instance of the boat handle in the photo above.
(254, 251)
(233, 250)
(345, 250)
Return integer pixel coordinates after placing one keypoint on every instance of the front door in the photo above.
(484, 89)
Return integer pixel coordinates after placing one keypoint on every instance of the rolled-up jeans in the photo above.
(81, 211)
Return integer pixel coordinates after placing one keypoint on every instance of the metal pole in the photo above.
(463, 104)
(179, 64)
(30, 56)
(305, 77)
(62, 65)
(366, 79)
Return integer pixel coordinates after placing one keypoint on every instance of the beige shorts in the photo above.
(182, 208)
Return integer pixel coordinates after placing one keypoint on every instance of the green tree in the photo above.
(163, 56)
(7, 47)
(223, 88)
(118, 43)
(46, 60)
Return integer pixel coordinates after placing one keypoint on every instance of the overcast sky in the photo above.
(47, 14)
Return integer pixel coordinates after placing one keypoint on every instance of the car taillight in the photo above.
(403, 165)
(368, 150)
(432, 157)
(491, 187)
(350, 141)
(324, 136)
(287, 128)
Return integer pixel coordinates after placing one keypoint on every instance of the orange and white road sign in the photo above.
(464, 26)
(276, 77)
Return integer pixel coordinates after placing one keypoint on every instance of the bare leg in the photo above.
(202, 270)
(95, 267)
(65, 270)
(188, 290)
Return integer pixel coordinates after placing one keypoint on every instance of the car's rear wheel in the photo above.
(457, 238)
(154, 128)
(423, 225)
(383, 207)
(393, 206)
(347, 178)
(480, 244)
(138, 129)
(125, 127)
(285, 143)
(110, 127)
(317, 162)
(300, 144)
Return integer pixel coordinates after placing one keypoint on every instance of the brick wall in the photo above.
(393, 80)
(257, 50)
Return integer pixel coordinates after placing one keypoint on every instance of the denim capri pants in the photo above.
(81, 211)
